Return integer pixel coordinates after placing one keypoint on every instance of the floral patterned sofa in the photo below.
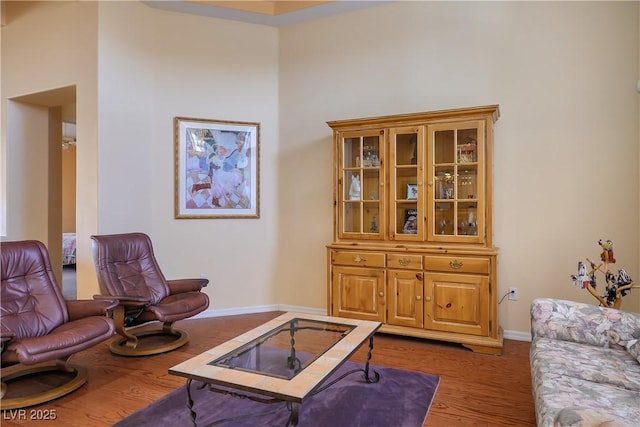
(585, 365)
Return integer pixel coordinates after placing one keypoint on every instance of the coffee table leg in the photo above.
(293, 416)
(291, 360)
(192, 413)
(376, 376)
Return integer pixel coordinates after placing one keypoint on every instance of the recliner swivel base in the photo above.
(124, 346)
(78, 376)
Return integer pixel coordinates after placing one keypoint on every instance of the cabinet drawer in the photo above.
(360, 259)
(403, 261)
(454, 264)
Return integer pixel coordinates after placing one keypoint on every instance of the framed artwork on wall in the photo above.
(217, 169)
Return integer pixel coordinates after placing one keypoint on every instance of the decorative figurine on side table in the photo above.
(616, 286)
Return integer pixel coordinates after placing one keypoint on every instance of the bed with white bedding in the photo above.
(68, 248)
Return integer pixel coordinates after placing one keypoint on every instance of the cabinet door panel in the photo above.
(404, 298)
(406, 189)
(457, 303)
(456, 176)
(359, 178)
(358, 293)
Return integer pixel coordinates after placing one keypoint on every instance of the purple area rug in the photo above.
(400, 399)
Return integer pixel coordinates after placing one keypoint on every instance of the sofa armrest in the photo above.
(178, 286)
(79, 309)
(127, 301)
(6, 336)
(582, 323)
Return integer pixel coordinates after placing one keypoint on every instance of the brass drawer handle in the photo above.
(455, 264)
(359, 259)
(381, 294)
(418, 297)
(404, 261)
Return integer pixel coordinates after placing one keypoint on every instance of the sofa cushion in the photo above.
(554, 392)
(586, 362)
(587, 417)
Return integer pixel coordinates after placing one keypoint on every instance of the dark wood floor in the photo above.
(475, 389)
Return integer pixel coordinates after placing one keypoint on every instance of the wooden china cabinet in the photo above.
(412, 245)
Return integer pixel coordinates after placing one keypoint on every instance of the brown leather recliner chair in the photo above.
(128, 271)
(39, 326)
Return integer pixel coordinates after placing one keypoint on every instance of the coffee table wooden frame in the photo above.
(306, 383)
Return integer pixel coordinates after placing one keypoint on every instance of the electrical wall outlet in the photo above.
(513, 294)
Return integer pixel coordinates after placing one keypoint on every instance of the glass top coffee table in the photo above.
(286, 359)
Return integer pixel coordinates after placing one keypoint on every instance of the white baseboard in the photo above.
(258, 309)
(517, 335)
(510, 335)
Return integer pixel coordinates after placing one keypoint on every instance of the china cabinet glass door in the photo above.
(456, 162)
(406, 186)
(359, 186)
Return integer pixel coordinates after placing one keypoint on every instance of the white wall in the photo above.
(27, 124)
(566, 145)
(154, 66)
(563, 73)
(3, 143)
(47, 46)
(126, 126)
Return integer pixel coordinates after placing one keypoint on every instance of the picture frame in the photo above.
(217, 168)
(412, 191)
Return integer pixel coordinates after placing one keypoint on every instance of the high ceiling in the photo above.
(277, 13)
(264, 7)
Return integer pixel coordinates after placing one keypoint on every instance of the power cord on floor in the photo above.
(506, 295)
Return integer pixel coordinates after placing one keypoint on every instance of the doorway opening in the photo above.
(38, 126)
(68, 194)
